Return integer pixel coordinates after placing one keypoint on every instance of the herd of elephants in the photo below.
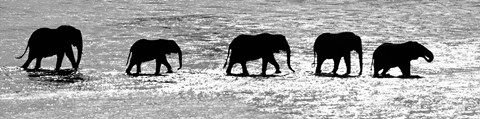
(46, 42)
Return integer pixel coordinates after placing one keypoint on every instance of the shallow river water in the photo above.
(449, 87)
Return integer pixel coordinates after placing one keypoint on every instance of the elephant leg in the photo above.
(157, 66)
(405, 68)
(29, 60)
(69, 54)
(139, 65)
(275, 64)
(244, 68)
(129, 68)
(385, 70)
(264, 66)
(59, 61)
(230, 66)
(169, 68)
(347, 64)
(376, 69)
(336, 62)
(38, 63)
(320, 61)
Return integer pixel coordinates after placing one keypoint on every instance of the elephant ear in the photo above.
(69, 32)
(171, 47)
(279, 43)
(77, 42)
(413, 48)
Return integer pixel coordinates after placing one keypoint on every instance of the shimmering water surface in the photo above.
(204, 28)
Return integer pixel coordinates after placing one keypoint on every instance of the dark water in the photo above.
(204, 28)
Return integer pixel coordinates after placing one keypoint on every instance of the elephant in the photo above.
(335, 46)
(389, 55)
(46, 42)
(251, 47)
(145, 50)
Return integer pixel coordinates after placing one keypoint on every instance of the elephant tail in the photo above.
(128, 58)
(19, 57)
(314, 58)
(371, 65)
(226, 60)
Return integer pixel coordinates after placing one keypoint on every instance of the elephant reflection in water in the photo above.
(251, 47)
(146, 50)
(335, 46)
(46, 42)
(390, 55)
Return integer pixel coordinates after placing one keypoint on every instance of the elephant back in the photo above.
(241, 41)
(47, 42)
(161, 46)
(340, 42)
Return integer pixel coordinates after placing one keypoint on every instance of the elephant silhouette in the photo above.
(46, 42)
(335, 46)
(145, 50)
(389, 55)
(251, 47)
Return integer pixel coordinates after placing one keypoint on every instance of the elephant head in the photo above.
(357, 47)
(75, 37)
(417, 50)
(172, 47)
(279, 44)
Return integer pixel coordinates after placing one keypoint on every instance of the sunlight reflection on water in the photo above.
(203, 29)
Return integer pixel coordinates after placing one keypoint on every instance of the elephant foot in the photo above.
(376, 75)
(169, 71)
(24, 68)
(410, 76)
(405, 76)
(319, 73)
(277, 72)
(128, 73)
(334, 73)
(245, 74)
(263, 74)
(386, 76)
(229, 72)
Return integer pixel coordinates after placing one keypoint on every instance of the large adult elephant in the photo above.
(145, 50)
(46, 42)
(251, 47)
(390, 55)
(335, 46)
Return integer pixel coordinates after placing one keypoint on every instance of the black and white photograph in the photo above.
(240, 59)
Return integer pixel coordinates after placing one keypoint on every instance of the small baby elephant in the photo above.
(146, 50)
(390, 55)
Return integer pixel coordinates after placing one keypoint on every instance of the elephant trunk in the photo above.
(428, 56)
(288, 60)
(179, 59)
(79, 55)
(360, 60)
